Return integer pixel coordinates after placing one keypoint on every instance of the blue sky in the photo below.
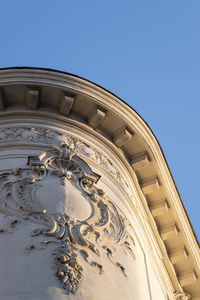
(146, 52)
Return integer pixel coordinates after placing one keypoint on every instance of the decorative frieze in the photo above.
(39, 135)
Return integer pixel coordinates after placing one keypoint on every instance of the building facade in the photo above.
(88, 206)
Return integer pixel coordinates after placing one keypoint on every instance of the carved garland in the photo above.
(103, 230)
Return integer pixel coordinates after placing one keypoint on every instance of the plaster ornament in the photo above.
(53, 137)
(57, 190)
(181, 296)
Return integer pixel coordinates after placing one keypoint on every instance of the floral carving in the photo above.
(53, 137)
(68, 269)
(91, 224)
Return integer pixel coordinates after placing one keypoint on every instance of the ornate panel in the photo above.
(58, 191)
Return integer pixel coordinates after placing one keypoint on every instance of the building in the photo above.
(88, 206)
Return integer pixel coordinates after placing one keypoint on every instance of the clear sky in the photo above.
(145, 51)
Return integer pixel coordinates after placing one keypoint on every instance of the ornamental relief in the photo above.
(57, 191)
(46, 136)
(181, 296)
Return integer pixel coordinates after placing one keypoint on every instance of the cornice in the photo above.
(81, 101)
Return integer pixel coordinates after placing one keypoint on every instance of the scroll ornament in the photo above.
(24, 195)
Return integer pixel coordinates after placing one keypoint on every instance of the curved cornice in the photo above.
(74, 99)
